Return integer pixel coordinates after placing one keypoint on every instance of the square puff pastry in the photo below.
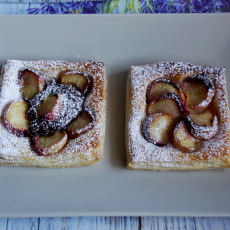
(85, 149)
(141, 154)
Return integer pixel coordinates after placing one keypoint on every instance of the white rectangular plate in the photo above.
(108, 188)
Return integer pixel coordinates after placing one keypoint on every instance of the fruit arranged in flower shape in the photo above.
(48, 114)
(191, 120)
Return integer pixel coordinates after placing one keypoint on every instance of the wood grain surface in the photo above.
(116, 223)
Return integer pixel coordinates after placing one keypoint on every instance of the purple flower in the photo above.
(47, 9)
(170, 6)
(66, 8)
(179, 6)
(83, 7)
(202, 6)
(161, 6)
(222, 6)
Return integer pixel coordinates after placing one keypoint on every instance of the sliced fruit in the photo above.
(168, 103)
(204, 125)
(199, 91)
(49, 145)
(182, 138)
(51, 107)
(157, 128)
(16, 119)
(31, 84)
(80, 81)
(81, 124)
(161, 86)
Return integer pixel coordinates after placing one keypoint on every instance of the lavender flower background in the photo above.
(132, 6)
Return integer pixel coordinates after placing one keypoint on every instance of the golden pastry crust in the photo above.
(83, 150)
(213, 153)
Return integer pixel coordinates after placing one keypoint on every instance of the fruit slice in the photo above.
(199, 91)
(204, 125)
(157, 128)
(161, 86)
(49, 145)
(182, 138)
(168, 103)
(80, 81)
(51, 107)
(31, 83)
(80, 125)
(16, 118)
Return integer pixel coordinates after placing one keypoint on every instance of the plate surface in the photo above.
(108, 188)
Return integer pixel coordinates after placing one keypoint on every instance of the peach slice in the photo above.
(16, 119)
(157, 128)
(31, 83)
(168, 103)
(79, 80)
(161, 86)
(80, 125)
(204, 125)
(49, 145)
(199, 91)
(51, 107)
(182, 139)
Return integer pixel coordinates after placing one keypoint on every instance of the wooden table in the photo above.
(116, 223)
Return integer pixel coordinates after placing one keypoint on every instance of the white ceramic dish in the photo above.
(108, 188)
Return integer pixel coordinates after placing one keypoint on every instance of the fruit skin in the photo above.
(77, 79)
(87, 116)
(155, 90)
(172, 96)
(19, 110)
(203, 132)
(50, 150)
(167, 128)
(23, 79)
(207, 100)
(181, 128)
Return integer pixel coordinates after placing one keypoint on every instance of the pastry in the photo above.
(52, 113)
(177, 117)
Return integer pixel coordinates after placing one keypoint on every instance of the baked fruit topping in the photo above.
(50, 110)
(79, 80)
(199, 91)
(157, 128)
(16, 119)
(187, 111)
(49, 145)
(31, 83)
(161, 86)
(182, 138)
(80, 125)
(66, 104)
(204, 125)
(168, 103)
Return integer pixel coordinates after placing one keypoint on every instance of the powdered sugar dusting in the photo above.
(12, 147)
(142, 151)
